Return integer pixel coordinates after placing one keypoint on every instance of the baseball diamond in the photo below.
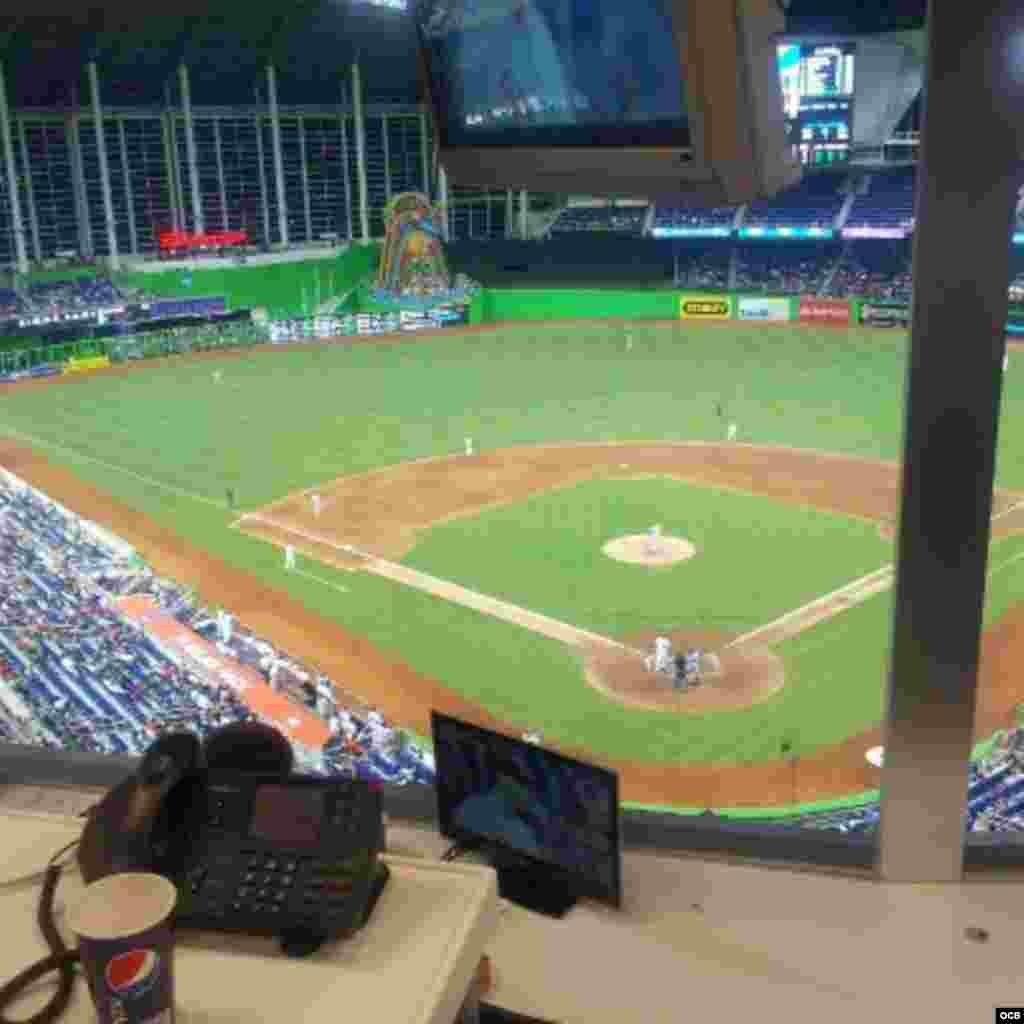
(480, 579)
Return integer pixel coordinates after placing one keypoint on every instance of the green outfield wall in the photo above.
(283, 289)
(512, 304)
(576, 304)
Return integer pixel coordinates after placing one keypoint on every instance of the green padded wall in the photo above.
(578, 304)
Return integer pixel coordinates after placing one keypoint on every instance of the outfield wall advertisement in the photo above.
(757, 308)
(884, 314)
(824, 311)
(705, 307)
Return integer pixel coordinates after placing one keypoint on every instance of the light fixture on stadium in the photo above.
(684, 102)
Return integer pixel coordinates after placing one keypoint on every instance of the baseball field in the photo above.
(482, 583)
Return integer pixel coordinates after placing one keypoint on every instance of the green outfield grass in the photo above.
(168, 442)
(756, 558)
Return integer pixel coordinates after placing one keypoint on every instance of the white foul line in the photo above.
(855, 585)
(317, 579)
(110, 465)
(478, 601)
(455, 592)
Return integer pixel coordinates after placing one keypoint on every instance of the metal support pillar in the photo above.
(345, 176)
(30, 195)
(21, 256)
(510, 212)
(179, 185)
(954, 386)
(275, 138)
(357, 112)
(442, 194)
(425, 155)
(221, 193)
(113, 257)
(198, 220)
(172, 181)
(387, 156)
(74, 134)
(264, 198)
(524, 209)
(129, 197)
(304, 167)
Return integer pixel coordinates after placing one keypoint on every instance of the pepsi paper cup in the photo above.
(127, 947)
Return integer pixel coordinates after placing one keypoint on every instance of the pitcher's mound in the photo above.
(744, 675)
(639, 549)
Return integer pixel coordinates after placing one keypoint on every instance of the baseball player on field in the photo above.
(315, 499)
(731, 435)
(289, 557)
(653, 536)
(469, 446)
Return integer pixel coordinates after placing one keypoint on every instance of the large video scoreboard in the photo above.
(817, 94)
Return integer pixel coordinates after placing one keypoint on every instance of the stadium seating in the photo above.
(60, 298)
(703, 267)
(888, 203)
(791, 268)
(814, 203)
(11, 304)
(995, 797)
(683, 217)
(874, 270)
(91, 680)
(620, 220)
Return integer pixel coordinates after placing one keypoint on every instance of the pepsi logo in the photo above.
(133, 973)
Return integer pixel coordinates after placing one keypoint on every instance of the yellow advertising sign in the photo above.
(704, 307)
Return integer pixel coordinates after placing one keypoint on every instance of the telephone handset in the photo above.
(249, 846)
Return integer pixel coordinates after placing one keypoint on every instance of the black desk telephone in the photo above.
(249, 846)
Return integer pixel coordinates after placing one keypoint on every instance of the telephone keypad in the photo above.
(238, 881)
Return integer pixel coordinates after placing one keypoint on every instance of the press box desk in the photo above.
(414, 963)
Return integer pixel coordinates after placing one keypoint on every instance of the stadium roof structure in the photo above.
(226, 43)
(312, 44)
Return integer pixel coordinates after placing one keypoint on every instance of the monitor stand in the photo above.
(538, 887)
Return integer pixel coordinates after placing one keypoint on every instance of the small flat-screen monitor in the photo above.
(654, 98)
(514, 796)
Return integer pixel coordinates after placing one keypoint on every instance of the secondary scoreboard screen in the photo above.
(817, 95)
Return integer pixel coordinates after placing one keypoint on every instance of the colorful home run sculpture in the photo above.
(412, 261)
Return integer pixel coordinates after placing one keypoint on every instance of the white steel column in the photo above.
(176, 168)
(220, 175)
(357, 113)
(74, 132)
(172, 183)
(442, 196)
(21, 255)
(198, 221)
(264, 199)
(387, 156)
(342, 123)
(425, 155)
(101, 151)
(275, 138)
(129, 198)
(524, 206)
(305, 179)
(26, 170)
(510, 213)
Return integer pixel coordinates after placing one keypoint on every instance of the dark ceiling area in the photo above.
(311, 42)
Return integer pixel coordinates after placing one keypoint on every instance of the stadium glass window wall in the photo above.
(797, 765)
(151, 188)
